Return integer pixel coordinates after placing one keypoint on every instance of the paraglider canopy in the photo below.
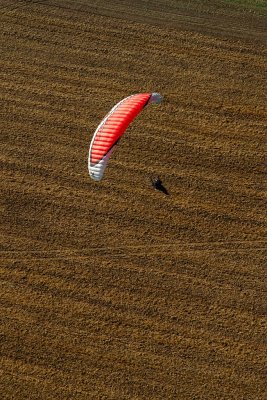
(112, 127)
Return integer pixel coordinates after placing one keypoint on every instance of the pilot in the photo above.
(157, 183)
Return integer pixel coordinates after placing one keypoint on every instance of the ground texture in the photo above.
(112, 290)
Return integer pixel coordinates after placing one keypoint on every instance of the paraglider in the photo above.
(112, 127)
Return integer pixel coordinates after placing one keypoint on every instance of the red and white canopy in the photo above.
(112, 127)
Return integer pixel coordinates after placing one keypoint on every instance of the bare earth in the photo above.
(112, 290)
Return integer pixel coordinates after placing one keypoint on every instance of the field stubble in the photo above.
(111, 290)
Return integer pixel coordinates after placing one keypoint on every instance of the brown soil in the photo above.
(112, 290)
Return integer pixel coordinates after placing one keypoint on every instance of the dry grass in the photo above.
(112, 290)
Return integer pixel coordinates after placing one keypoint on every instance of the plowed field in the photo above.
(113, 290)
